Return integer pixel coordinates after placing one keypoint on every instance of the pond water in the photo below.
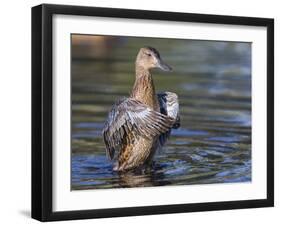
(213, 82)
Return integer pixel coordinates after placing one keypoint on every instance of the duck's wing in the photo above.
(169, 105)
(130, 118)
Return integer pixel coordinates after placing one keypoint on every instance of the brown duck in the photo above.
(137, 126)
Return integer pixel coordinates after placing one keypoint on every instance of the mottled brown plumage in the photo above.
(137, 126)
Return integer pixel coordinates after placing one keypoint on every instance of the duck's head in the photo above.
(149, 58)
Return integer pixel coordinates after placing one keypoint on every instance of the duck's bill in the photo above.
(165, 67)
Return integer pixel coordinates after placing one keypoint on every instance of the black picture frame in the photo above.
(42, 107)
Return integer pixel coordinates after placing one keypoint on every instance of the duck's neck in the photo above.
(144, 89)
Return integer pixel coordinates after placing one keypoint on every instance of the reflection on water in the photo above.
(213, 82)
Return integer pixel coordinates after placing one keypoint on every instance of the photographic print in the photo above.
(157, 112)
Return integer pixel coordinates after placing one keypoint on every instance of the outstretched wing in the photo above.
(130, 118)
(169, 105)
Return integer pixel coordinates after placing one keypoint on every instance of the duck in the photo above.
(139, 125)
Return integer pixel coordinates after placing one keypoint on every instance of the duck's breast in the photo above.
(137, 153)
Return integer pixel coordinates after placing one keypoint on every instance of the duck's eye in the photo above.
(148, 54)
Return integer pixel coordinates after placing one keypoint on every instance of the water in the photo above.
(213, 82)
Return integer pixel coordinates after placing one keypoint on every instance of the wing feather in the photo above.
(169, 105)
(130, 118)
